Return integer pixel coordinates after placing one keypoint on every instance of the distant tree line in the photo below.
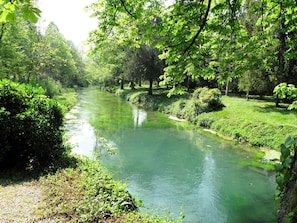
(45, 58)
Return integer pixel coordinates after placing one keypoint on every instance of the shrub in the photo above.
(52, 87)
(210, 99)
(203, 100)
(30, 124)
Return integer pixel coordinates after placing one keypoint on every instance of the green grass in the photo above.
(258, 110)
(257, 122)
(67, 99)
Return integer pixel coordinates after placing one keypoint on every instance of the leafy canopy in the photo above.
(9, 8)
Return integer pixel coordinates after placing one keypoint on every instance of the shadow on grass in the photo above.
(283, 109)
(11, 177)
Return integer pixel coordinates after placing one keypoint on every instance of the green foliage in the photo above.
(203, 100)
(9, 10)
(89, 194)
(283, 169)
(30, 123)
(287, 91)
(252, 40)
(26, 54)
(52, 87)
(286, 181)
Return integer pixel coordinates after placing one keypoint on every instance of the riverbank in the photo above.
(255, 122)
(86, 193)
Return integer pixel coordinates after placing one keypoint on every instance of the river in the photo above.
(168, 166)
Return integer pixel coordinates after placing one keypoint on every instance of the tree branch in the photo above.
(2, 31)
(200, 30)
(129, 12)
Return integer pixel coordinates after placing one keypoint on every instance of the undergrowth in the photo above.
(87, 193)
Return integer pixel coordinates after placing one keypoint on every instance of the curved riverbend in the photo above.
(168, 167)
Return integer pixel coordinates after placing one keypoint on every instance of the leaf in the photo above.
(278, 167)
(280, 181)
(285, 152)
(289, 141)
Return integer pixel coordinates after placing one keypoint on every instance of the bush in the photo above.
(30, 123)
(210, 99)
(203, 100)
(52, 87)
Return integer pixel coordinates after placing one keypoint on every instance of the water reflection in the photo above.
(139, 116)
(80, 133)
(210, 209)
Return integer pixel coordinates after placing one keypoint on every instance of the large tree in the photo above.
(144, 63)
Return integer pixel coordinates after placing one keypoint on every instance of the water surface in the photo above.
(169, 167)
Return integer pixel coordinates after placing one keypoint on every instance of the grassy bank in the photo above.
(88, 193)
(256, 122)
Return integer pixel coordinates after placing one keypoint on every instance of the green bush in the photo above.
(52, 87)
(30, 124)
(203, 100)
(210, 99)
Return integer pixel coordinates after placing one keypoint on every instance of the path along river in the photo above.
(169, 167)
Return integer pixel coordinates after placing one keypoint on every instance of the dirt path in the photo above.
(19, 202)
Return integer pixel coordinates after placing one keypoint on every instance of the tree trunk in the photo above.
(150, 90)
(276, 101)
(122, 84)
(227, 88)
(247, 96)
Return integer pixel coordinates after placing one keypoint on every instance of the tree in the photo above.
(181, 31)
(144, 63)
(17, 49)
(106, 64)
(59, 62)
(286, 91)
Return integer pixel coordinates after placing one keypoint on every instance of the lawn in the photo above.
(258, 110)
(257, 122)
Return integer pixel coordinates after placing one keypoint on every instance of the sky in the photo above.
(69, 16)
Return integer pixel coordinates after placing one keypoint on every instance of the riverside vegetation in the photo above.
(78, 189)
(256, 122)
(244, 45)
(70, 189)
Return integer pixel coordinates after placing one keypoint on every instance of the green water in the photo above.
(169, 167)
